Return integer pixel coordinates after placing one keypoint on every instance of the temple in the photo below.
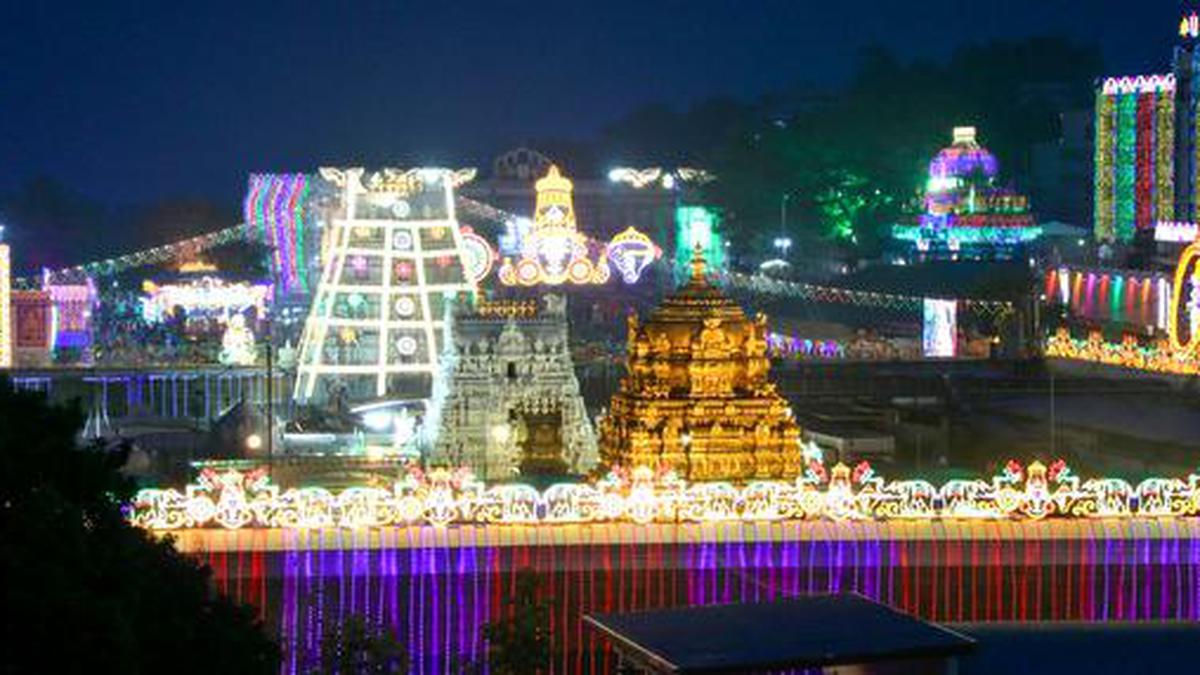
(697, 399)
(965, 211)
(512, 403)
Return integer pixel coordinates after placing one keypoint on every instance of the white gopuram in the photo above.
(511, 404)
(393, 262)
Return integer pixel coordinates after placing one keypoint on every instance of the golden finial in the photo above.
(699, 265)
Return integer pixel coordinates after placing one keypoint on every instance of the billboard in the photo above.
(939, 334)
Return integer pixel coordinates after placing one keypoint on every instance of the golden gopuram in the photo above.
(697, 398)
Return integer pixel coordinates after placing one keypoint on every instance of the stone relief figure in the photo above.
(713, 344)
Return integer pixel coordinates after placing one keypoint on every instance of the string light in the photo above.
(233, 500)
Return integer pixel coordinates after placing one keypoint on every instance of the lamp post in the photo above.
(783, 201)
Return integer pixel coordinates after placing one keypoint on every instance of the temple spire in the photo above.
(699, 265)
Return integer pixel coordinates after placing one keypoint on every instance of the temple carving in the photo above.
(697, 398)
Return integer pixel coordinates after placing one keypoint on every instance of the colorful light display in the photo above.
(1134, 154)
(233, 500)
(209, 295)
(630, 253)
(1129, 353)
(964, 210)
(554, 251)
(1130, 296)
(275, 206)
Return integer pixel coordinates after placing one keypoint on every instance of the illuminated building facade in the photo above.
(512, 403)
(1146, 154)
(396, 259)
(6, 342)
(32, 328)
(965, 212)
(697, 399)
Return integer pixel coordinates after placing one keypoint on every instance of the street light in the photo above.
(782, 244)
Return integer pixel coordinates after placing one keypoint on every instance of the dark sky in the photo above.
(130, 102)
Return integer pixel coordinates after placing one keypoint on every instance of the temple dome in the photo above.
(963, 158)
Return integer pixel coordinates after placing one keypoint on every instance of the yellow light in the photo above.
(254, 442)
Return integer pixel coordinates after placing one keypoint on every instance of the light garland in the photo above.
(1164, 165)
(1160, 358)
(1105, 228)
(274, 206)
(234, 500)
(1125, 198)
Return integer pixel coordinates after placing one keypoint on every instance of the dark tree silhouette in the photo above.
(84, 591)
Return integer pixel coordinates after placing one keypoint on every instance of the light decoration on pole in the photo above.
(630, 253)
(554, 251)
(1033, 492)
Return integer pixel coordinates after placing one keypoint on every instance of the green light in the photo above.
(697, 225)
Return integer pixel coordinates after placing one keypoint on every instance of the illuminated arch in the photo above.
(1190, 258)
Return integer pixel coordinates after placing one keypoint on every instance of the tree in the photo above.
(355, 647)
(519, 643)
(83, 589)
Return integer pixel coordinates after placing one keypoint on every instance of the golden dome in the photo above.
(697, 396)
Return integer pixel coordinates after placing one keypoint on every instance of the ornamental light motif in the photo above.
(1033, 492)
(630, 253)
(554, 251)
(478, 255)
(208, 294)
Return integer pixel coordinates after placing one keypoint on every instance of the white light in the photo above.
(501, 433)
(668, 181)
(377, 420)
(614, 175)
(1082, 242)
(254, 442)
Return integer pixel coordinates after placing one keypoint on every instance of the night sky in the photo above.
(130, 103)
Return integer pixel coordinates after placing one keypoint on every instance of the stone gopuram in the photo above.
(697, 398)
(512, 404)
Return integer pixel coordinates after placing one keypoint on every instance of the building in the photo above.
(376, 325)
(697, 398)
(966, 213)
(1145, 145)
(512, 403)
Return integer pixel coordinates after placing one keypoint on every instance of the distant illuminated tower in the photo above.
(376, 326)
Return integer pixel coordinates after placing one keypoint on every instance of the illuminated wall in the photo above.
(6, 348)
(1135, 143)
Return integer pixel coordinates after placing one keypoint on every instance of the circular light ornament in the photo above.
(478, 256)
(401, 209)
(528, 272)
(402, 240)
(405, 306)
(580, 271)
(407, 345)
